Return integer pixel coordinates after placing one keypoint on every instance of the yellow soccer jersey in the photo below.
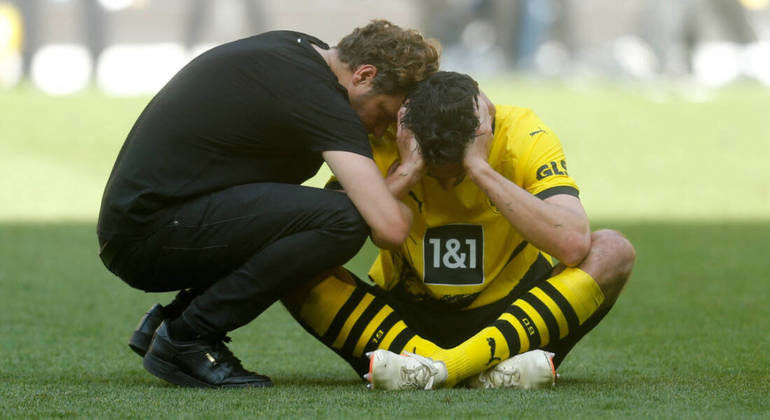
(461, 250)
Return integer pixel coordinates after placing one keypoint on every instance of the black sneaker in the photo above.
(198, 363)
(140, 339)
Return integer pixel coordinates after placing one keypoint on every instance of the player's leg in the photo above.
(564, 305)
(613, 269)
(352, 319)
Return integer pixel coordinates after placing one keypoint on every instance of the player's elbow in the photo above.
(392, 233)
(389, 239)
(574, 249)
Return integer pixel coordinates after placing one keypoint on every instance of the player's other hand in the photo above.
(477, 150)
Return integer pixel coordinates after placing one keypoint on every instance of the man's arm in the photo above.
(557, 225)
(388, 218)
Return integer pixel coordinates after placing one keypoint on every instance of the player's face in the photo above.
(448, 175)
(377, 111)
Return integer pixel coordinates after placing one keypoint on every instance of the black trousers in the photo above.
(241, 249)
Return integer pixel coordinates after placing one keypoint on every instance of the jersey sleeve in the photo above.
(544, 165)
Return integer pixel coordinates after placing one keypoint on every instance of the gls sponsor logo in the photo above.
(552, 169)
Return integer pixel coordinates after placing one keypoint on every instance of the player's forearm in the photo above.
(557, 230)
(402, 177)
(390, 237)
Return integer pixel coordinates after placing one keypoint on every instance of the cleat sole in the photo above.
(171, 373)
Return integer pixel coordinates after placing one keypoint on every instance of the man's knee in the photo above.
(348, 225)
(610, 262)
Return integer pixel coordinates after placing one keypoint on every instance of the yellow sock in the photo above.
(352, 321)
(550, 310)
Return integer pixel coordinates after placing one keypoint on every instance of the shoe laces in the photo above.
(222, 353)
(504, 377)
(420, 376)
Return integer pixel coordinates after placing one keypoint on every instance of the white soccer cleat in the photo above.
(391, 371)
(533, 369)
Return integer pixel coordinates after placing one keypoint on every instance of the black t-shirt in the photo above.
(261, 109)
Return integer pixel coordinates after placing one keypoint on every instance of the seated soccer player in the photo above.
(472, 296)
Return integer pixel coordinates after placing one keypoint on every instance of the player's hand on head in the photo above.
(478, 148)
(408, 149)
(486, 113)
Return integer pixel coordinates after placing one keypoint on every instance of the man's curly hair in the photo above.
(402, 56)
(441, 112)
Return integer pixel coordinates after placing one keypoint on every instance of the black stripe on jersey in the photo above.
(569, 314)
(400, 341)
(556, 191)
(538, 272)
(339, 320)
(520, 247)
(510, 334)
(384, 326)
(334, 185)
(545, 313)
(528, 324)
(361, 324)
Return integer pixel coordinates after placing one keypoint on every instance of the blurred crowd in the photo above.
(712, 42)
(717, 41)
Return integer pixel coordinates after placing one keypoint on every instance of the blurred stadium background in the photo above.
(65, 45)
(661, 105)
(654, 100)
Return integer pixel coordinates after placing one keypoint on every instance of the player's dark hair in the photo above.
(402, 56)
(441, 112)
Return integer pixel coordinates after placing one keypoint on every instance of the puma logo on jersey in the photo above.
(414, 197)
(537, 131)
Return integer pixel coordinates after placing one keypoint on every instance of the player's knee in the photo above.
(310, 289)
(315, 293)
(615, 257)
(617, 246)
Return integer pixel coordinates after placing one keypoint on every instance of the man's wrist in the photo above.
(410, 170)
(403, 177)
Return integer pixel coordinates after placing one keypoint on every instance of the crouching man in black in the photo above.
(204, 197)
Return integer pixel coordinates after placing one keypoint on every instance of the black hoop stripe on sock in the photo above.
(400, 341)
(545, 313)
(528, 324)
(569, 314)
(361, 323)
(333, 331)
(385, 326)
(510, 334)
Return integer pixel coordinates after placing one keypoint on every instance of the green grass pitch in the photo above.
(687, 182)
